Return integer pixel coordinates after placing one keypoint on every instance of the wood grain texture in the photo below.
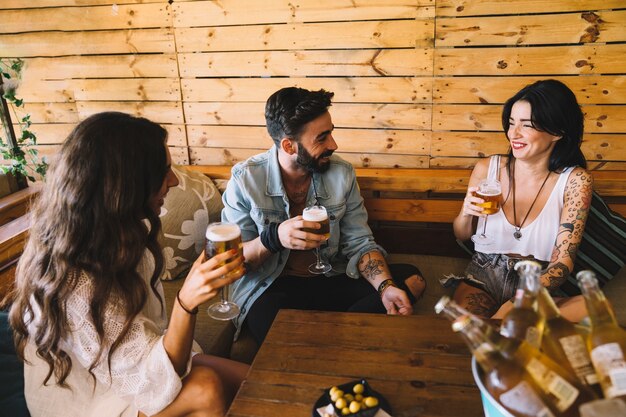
(413, 210)
(17, 204)
(549, 29)
(237, 12)
(333, 35)
(103, 66)
(608, 183)
(598, 119)
(131, 41)
(595, 147)
(158, 111)
(392, 141)
(346, 89)
(13, 237)
(230, 156)
(536, 60)
(357, 62)
(498, 7)
(205, 68)
(124, 16)
(592, 89)
(420, 372)
(452, 162)
(393, 116)
(25, 4)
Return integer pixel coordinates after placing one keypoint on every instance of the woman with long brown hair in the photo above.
(89, 313)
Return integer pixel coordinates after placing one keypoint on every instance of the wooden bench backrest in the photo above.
(390, 193)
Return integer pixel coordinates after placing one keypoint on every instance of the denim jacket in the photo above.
(255, 197)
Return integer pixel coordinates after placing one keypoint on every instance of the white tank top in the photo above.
(538, 238)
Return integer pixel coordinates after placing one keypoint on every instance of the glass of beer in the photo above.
(222, 237)
(491, 192)
(318, 214)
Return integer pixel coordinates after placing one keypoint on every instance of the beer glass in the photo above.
(491, 192)
(318, 214)
(220, 238)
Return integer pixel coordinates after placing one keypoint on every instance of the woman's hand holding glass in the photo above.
(208, 276)
(471, 203)
(483, 200)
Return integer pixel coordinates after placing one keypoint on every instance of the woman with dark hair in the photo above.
(89, 313)
(546, 193)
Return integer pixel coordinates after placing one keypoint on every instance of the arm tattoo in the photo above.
(578, 194)
(556, 275)
(567, 228)
(481, 304)
(370, 268)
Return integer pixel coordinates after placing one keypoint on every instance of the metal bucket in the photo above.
(490, 406)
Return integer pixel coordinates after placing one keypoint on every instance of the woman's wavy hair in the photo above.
(554, 109)
(90, 216)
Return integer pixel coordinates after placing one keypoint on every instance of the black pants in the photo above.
(337, 293)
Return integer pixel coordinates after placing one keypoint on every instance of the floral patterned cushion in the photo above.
(185, 215)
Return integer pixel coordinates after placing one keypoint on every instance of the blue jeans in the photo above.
(492, 273)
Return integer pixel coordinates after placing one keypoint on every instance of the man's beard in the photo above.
(306, 160)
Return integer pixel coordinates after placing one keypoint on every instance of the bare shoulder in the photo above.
(579, 187)
(579, 178)
(482, 167)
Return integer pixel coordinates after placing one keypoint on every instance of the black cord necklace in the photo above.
(518, 229)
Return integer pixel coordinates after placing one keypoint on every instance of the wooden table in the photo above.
(417, 363)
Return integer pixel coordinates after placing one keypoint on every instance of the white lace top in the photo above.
(141, 376)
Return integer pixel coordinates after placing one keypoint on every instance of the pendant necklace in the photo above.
(518, 229)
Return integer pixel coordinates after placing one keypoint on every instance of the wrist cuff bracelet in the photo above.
(384, 285)
(270, 239)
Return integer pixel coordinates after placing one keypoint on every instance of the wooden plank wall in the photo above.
(418, 83)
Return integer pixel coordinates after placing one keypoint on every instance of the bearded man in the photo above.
(266, 196)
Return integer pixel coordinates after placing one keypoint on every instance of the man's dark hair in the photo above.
(289, 109)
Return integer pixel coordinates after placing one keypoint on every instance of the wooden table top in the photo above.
(416, 362)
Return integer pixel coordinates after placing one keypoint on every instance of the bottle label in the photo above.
(578, 357)
(559, 390)
(533, 336)
(608, 359)
(523, 400)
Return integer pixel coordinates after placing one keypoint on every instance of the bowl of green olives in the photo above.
(353, 399)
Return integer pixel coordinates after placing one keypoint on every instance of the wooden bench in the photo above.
(410, 210)
(437, 193)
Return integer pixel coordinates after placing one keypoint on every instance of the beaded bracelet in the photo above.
(384, 285)
(187, 310)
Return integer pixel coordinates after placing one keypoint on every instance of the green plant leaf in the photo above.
(21, 159)
(17, 64)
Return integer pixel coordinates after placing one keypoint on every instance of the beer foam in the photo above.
(315, 215)
(489, 191)
(222, 232)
